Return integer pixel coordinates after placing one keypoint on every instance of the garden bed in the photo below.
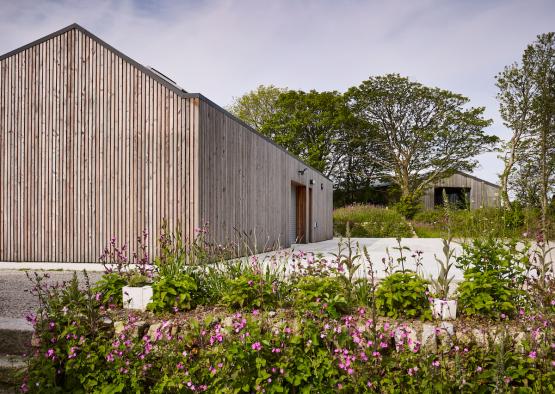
(250, 327)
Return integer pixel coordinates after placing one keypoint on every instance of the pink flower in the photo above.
(532, 355)
(51, 353)
(479, 369)
(256, 346)
(435, 363)
(412, 371)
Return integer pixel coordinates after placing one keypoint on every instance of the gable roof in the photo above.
(157, 76)
(477, 179)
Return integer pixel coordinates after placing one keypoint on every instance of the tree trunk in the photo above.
(544, 175)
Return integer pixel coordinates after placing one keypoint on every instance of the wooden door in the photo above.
(301, 214)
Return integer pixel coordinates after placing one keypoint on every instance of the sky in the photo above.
(225, 48)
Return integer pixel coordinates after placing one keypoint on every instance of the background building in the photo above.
(463, 190)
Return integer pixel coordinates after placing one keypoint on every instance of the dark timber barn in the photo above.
(95, 145)
(464, 190)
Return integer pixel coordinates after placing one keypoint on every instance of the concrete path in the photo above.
(378, 249)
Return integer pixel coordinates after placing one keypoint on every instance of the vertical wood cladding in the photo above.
(91, 147)
(245, 184)
(94, 146)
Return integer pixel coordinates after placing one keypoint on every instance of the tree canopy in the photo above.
(256, 106)
(422, 133)
(388, 126)
(527, 105)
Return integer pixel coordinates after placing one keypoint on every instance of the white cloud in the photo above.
(224, 48)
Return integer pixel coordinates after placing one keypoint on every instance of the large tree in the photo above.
(320, 129)
(316, 126)
(539, 59)
(527, 106)
(256, 106)
(423, 133)
(515, 96)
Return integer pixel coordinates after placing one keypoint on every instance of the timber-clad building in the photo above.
(95, 145)
(464, 190)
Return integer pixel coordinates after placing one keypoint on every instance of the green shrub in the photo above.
(250, 290)
(109, 287)
(370, 221)
(320, 294)
(403, 293)
(494, 273)
(408, 206)
(178, 293)
(67, 320)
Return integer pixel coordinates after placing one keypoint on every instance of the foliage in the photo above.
(320, 295)
(442, 284)
(516, 222)
(67, 321)
(494, 272)
(251, 290)
(403, 294)
(116, 259)
(138, 280)
(316, 126)
(423, 133)
(253, 352)
(370, 221)
(408, 205)
(319, 128)
(110, 288)
(315, 346)
(527, 105)
(257, 106)
(173, 293)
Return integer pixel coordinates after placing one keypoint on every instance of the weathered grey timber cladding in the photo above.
(245, 183)
(482, 193)
(94, 145)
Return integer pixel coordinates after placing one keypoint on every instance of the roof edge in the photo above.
(477, 179)
(40, 40)
(134, 63)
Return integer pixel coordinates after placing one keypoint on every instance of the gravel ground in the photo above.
(15, 299)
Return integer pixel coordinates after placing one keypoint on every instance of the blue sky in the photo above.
(223, 48)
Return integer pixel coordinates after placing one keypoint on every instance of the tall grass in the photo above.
(496, 222)
(370, 221)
